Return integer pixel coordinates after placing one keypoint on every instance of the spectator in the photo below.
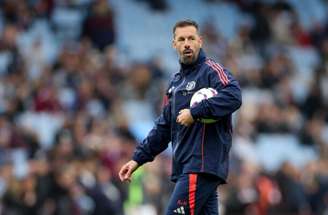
(99, 25)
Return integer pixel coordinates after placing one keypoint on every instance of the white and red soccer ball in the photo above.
(198, 96)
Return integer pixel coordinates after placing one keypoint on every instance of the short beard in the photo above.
(188, 60)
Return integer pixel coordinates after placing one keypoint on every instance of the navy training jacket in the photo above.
(199, 148)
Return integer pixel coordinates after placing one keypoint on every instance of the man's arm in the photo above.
(227, 101)
(156, 142)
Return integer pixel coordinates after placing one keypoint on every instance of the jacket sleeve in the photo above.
(227, 100)
(157, 139)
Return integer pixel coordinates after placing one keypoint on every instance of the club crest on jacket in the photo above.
(191, 85)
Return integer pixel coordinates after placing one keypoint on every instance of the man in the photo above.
(200, 151)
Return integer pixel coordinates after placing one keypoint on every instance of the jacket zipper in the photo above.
(174, 109)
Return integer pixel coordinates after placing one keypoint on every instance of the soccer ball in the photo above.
(204, 93)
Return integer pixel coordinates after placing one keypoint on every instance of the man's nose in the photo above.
(187, 45)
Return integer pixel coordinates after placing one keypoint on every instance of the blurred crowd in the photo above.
(72, 110)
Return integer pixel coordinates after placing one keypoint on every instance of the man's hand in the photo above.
(185, 118)
(127, 170)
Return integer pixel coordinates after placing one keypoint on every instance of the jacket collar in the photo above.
(200, 59)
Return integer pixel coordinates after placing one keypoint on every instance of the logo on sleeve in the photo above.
(171, 90)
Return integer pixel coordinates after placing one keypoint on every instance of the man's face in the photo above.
(187, 42)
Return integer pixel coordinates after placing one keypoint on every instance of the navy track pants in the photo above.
(194, 194)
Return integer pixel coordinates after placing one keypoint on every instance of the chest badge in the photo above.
(191, 85)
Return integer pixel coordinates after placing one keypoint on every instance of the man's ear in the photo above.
(201, 41)
(173, 44)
